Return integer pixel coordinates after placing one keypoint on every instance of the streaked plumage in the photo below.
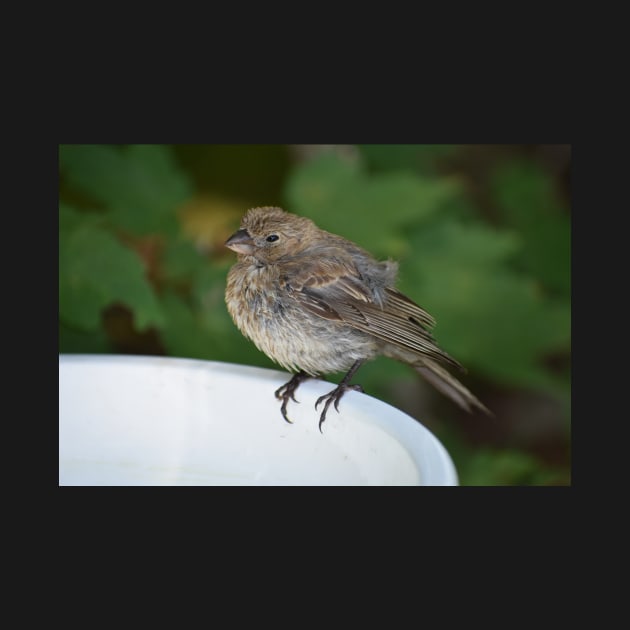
(317, 303)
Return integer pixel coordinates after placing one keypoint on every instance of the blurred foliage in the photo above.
(142, 269)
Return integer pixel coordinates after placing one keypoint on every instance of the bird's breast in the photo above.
(265, 311)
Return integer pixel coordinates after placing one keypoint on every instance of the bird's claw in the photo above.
(334, 397)
(287, 392)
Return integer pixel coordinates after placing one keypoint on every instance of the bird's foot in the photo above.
(334, 397)
(287, 392)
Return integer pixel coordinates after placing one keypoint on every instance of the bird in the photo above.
(317, 303)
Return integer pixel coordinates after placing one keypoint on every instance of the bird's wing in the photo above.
(333, 277)
(334, 290)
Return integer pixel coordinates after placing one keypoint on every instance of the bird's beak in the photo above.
(241, 242)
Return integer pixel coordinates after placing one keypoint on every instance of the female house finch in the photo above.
(316, 303)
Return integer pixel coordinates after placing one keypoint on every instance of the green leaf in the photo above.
(75, 340)
(182, 335)
(208, 290)
(488, 316)
(180, 259)
(140, 185)
(70, 218)
(96, 270)
(419, 157)
(373, 211)
(457, 243)
(527, 201)
(506, 467)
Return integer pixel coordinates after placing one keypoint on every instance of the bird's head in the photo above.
(269, 234)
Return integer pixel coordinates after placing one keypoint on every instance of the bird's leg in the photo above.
(339, 391)
(287, 390)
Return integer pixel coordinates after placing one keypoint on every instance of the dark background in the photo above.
(482, 234)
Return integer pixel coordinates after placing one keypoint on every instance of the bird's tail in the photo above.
(446, 383)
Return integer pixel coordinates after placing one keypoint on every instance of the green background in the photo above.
(482, 234)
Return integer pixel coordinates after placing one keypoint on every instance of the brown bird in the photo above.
(317, 303)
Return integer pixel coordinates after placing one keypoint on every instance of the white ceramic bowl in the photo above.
(136, 420)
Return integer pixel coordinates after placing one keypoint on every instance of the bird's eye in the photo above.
(271, 238)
